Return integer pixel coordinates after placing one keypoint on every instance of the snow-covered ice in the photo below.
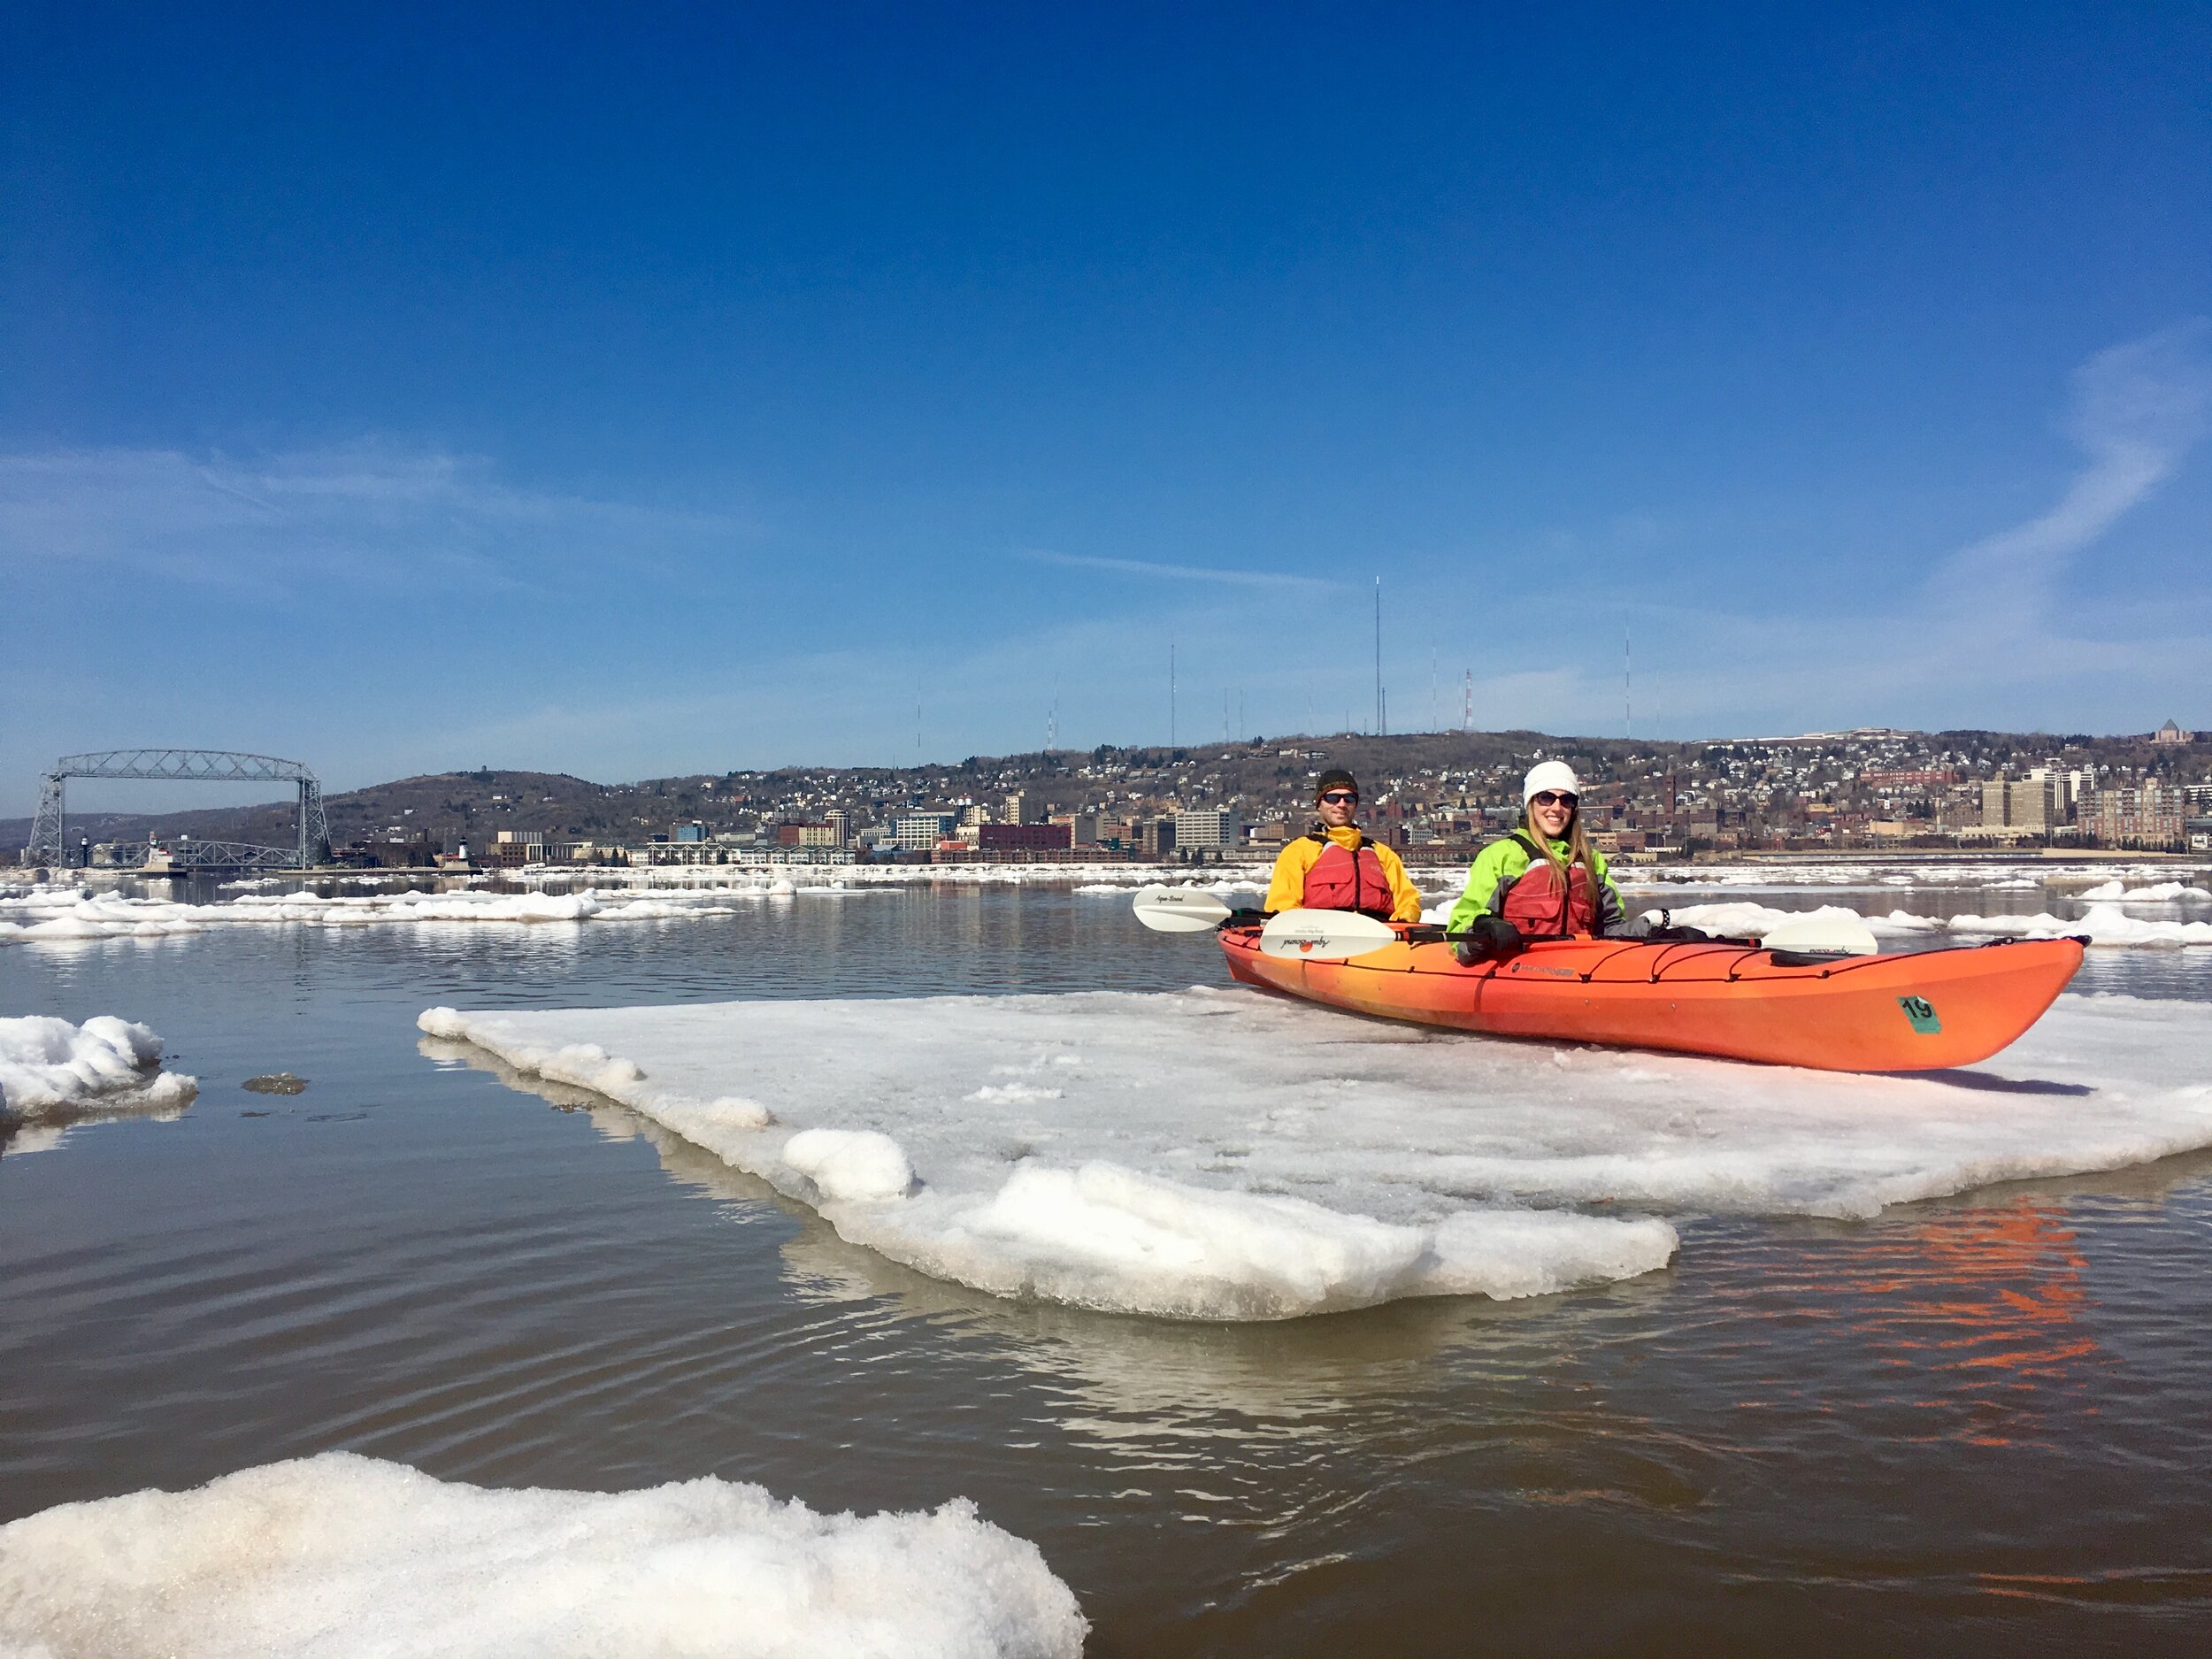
(2101, 924)
(851, 1165)
(1220, 1154)
(339, 1555)
(52, 1068)
(2156, 893)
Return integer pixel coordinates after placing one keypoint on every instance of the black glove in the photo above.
(1489, 939)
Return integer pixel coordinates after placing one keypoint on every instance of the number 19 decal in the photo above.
(1922, 1013)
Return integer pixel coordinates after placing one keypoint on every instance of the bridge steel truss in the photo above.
(48, 830)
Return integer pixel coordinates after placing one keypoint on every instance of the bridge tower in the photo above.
(50, 827)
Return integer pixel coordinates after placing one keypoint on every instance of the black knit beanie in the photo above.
(1336, 778)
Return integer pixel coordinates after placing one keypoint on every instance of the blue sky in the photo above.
(643, 389)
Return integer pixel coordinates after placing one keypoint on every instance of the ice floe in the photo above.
(52, 1068)
(2098, 924)
(2157, 893)
(340, 1556)
(1225, 1155)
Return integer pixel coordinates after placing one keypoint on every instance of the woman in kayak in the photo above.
(1543, 880)
(1334, 867)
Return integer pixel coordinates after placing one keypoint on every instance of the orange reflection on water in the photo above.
(1978, 1311)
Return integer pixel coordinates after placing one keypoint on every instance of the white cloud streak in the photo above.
(1183, 572)
(2138, 410)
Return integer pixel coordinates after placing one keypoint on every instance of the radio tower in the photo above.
(1467, 704)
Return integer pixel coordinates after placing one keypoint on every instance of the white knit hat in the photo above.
(1549, 774)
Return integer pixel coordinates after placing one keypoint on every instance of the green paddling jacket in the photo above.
(1503, 864)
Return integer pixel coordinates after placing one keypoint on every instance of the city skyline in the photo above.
(630, 397)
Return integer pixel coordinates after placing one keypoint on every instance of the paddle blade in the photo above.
(1324, 935)
(1178, 909)
(1832, 930)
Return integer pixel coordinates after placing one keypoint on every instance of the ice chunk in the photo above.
(1103, 1235)
(339, 1555)
(442, 1022)
(1509, 1253)
(851, 1165)
(50, 1068)
(2156, 893)
(719, 1122)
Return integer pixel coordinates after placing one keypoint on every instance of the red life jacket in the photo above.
(1348, 880)
(1540, 902)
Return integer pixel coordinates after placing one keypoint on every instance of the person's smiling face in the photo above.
(1338, 808)
(1551, 813)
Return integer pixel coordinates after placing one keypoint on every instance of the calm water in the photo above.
(1973, 1426)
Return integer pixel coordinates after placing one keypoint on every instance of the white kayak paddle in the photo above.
(1179, 909)
(1832, 931)
(1324, 935)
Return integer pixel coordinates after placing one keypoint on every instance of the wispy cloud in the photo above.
(1183, 572)
(2137, 409)
(369, 513)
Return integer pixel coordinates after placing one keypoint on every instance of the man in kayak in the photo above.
(1334, 867)
(1543, 880)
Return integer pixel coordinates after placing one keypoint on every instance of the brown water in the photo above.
(1972, 1426)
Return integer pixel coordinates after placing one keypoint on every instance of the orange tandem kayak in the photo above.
(1903, 1012)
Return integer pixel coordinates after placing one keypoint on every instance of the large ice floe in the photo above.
(1225, 1155)
(342, 1555)
(51, 1069)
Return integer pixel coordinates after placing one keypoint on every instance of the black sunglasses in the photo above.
(1341, 797)
(1552, 797)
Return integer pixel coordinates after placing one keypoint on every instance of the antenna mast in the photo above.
(1379, 690)
(1628, 707)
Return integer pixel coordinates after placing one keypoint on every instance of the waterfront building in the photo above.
(513, 848)
(1207, 829)
(1082, 826)
(2033, 804)
(2149, 815)
(919, 832)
